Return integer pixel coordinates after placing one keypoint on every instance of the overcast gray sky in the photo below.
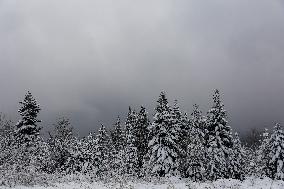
(90, 60)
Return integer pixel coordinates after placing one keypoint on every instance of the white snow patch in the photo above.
(250, 183)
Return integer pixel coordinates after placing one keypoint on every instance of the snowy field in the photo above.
(250, 183)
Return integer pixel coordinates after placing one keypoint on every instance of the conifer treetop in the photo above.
(29, 109)
(26, 128)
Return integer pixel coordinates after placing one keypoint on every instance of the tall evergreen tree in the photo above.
(117, 135)
(176, 111)
(102, 151)
(6, 132)
(142, 125)
(250, 159)
(182, 127)
(6, 127)
(237, 159)
(181, 123)
(195, 154)
(197, 120)
(219, 141)
(117, 149)
(27, 142)
(261, 154)
(88, 153)
(131, 122)
(131, 163)
(63, 130)
(78, 159)
(276, 154)
(163, 147)
(6, 141)
(27, 130)
(61, 144)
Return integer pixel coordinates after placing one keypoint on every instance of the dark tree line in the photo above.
(196, 146)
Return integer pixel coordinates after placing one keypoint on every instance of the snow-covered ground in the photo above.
(250, 183)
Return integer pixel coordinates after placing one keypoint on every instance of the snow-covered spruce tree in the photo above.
(6, 126)
(131, 163)
(82, 156)
(29, 147)
(181, 123)
(237, 159)
(254, 144)
(116, 162)
(79, 159)
(6, 139)
(8, 152)
(131, 123)
(250, 160)
(63, 129)
(117, 149)
(183, 141)
(60, 144)
(275, 168)
(41, 156)
(89, 153)
(163, 147)
(117, 135)
(142, 125)
(102, 152)
(197, 120)
(27, 130)
(195, 153)
(261, 155)
(218, 140)
(184, 131)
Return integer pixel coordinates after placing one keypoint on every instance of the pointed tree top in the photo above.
(102, 126)
(26, 128)
(163, 93)
(142, 109)
(118, 119)
(195, 106)
(277, 126)
(236, 134)
(175, 102)
(216, 96)
(163, 98)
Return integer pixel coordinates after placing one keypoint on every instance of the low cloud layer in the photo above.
(90, 60)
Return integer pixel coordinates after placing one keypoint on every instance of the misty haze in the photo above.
(165, 93)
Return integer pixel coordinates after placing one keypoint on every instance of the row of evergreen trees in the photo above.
(173, 144)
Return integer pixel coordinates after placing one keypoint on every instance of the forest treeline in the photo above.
(196, 146)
